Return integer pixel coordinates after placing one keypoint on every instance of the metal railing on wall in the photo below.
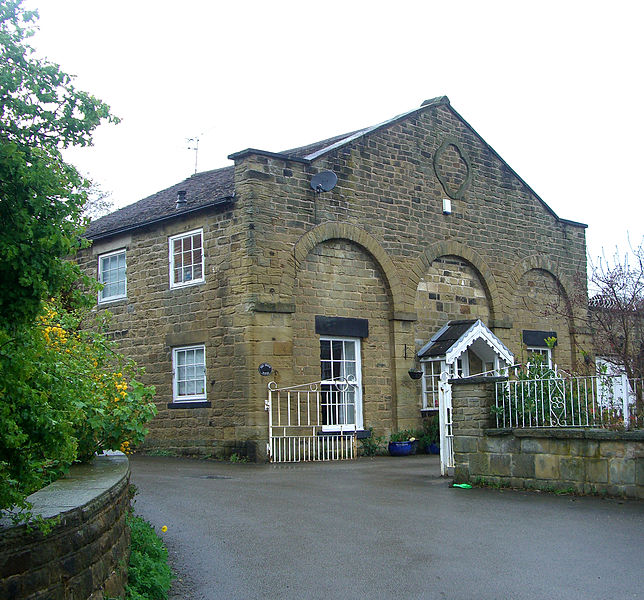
(558, 400)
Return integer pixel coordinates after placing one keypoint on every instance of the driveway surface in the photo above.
(382, 528)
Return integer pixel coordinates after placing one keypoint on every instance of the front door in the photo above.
(341, 385)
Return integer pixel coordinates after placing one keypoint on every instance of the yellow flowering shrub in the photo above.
(65, 394)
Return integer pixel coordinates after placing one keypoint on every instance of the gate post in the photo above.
(268, 406)
(445, 423)
(472, 398)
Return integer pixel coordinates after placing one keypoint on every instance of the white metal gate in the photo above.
(445, 423)
(297, 415)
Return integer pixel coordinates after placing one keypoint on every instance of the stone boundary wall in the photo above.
(86, 554)
(582, 460)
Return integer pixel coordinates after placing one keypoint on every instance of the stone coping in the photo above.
(568, 433)
(476, 379)
(81, 486)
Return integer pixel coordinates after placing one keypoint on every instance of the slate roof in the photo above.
(212, 188)
(452, 333)
(209, 188)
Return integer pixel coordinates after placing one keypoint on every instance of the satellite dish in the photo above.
(324, 181)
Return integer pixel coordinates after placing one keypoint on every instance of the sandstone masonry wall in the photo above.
(339, 279)
(388, 200)
(582, 460)
(85, 555)
(155, 318)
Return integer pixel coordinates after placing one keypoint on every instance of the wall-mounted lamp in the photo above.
(447, 206)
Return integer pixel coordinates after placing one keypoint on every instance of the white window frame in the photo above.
(357, 385)
(102, 299)
(432, 369)
(541, 351)
(175, 381)
(171, 241)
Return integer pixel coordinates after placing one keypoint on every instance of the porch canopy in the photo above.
(454, 343)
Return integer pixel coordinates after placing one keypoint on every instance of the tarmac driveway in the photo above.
(382, 528)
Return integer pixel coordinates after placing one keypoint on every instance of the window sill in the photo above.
(433, 409)
(360, 433)
(190, 404)
(112, 300)
(180, 286)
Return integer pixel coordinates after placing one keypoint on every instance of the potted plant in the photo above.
(402, 443)
(430, 438)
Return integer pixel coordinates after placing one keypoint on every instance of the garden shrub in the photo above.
(372, 445)
(65, 394)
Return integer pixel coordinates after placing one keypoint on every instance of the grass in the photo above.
(531, 487)
(149, 575)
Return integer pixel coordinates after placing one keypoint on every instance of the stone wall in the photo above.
(450, 289)
(155, 318)
(85, 555)
(539, 304)
(582, 460)
(388, 201)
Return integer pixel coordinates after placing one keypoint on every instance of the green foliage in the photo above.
(41, 196)
(430, 433)
(404, 435)
(160, 452)
(237, 458)
(149, 576)
(543, 397)
(65, 394)
(372, 445)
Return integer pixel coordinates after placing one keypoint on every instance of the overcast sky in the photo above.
(554, 87)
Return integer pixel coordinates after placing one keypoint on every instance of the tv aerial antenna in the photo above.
(193, 144)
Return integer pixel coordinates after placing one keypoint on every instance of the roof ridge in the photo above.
(317, 149)
(431, 103)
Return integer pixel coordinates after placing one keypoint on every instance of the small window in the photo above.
(186, 259)
(431, 378)
(544, 355)
(189, 373)
(111, 273)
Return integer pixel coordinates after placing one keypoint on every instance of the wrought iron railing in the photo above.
(558, 400)
(298, 416)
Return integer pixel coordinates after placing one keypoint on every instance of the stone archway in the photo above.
(453, 248)
(541, 302)
(339, 281)
(401, 300)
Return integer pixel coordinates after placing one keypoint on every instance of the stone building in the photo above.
(252, 264)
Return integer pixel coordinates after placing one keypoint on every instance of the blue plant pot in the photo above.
(402, 448)
(432, 449)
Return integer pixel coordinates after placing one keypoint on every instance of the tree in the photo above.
(613, 316)
(616, 315)
(65, 392)
(41, 196)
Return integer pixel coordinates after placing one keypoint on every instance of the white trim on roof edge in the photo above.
(478, 331)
